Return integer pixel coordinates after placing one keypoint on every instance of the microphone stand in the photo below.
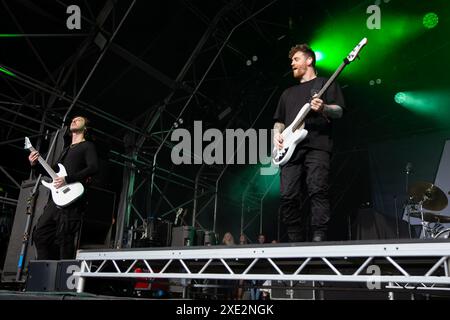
(408, 171)
(396, 217)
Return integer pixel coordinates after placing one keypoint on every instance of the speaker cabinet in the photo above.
(52, 276)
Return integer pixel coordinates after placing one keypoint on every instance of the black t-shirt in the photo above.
(319, 128)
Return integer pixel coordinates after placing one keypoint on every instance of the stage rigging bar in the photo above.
(418, 264)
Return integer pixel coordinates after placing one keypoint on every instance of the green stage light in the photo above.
(431, 104)
(337, 37)
(400, 98)
(319, 56)
(430, 20)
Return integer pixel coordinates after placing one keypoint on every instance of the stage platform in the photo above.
(406, 265)
(20, 295)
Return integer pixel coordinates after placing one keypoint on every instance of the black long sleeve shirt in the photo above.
(80, 161)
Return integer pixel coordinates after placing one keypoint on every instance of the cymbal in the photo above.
(431, 196)
(430, 217)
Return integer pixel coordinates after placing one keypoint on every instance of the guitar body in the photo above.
(67, 194)
(291, 138)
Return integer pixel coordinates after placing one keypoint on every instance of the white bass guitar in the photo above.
(64, 195)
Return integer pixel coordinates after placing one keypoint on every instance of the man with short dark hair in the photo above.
(308, 167)
(56, 229)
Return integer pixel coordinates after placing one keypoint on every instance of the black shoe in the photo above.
(319, 236)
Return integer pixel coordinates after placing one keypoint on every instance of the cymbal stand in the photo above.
(407, 173)
(426, 230)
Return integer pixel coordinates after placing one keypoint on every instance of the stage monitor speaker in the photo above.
(183, 236)
(210, 238)
(94, 232)
(52, 275)
(199, 237)
(159, 232)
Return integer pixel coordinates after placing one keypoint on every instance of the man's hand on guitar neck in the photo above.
(33, 157)
(317, 104)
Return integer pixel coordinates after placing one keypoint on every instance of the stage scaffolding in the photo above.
(147, 135)
(421, 265)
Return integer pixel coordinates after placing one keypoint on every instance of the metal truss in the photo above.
(171, 114)
(413, 264)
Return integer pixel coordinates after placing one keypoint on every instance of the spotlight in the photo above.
(400, 97)
(430, 20)
(319, 55)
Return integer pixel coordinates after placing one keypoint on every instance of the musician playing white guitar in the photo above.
(57, 227)
(308, 167)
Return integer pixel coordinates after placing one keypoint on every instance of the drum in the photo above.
(444, 234)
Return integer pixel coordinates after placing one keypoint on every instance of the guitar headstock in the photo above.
(27, 145)
(354, 53)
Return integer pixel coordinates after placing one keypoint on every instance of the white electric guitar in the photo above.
(64, 195)
(295, 132)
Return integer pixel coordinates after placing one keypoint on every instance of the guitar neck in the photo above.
(331, 80)
(320, 93)
(45, 165)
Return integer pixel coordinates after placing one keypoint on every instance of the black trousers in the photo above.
(305, 181)
(57, 229)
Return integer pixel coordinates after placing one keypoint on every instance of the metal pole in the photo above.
(31, 201)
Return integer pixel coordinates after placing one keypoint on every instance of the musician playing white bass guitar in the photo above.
(58, 225)
(303, 144)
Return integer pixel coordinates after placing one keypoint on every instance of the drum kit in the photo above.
(426, 196)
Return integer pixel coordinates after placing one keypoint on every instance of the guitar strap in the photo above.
(318, 84)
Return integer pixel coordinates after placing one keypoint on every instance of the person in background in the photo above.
(228, 239)
(261, 238)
